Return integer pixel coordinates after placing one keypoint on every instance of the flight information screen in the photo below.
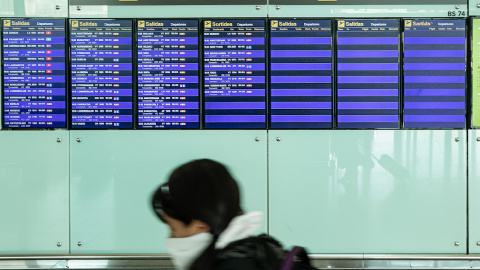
(101, 73)
(234, 74)
(368, 74)
(434, 77)
(301, 73)
(34, 77)
(168, 77)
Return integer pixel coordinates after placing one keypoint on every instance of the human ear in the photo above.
(200, 226)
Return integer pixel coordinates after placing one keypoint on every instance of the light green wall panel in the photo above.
(114, 173)
(370, 191)
(366, 11)
(173, 11)
(33, 8)
(474, 190)
(474, 8)
(34, 192)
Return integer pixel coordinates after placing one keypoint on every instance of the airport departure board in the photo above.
(301, 74)
(101, 73)
(434, 76)
(476, 72)
(368, 74)
(168, 76)
(234, 74)
(34, 80)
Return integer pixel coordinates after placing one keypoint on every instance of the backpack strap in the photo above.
(296, 252)
(264, 251)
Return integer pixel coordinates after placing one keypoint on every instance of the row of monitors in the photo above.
(311, 67)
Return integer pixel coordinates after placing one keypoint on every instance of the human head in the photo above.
(198, 193)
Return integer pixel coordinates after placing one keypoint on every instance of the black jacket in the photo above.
(254, 253)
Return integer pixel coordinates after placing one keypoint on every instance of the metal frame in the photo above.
(321, 261)
(436, 257)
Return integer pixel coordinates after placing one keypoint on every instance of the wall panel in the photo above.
(114, 173)
(34, 214)
(169, 11)
(473, 8)
(33, 8)
(326, 9)
(334, 191)
(474, 190)
(338, 191)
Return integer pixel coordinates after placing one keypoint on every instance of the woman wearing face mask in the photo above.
(200, 203)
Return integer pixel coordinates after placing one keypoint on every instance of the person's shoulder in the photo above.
(258, 252)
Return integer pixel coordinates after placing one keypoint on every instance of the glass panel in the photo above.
(370, 191)
(111, 188)
(34, 195)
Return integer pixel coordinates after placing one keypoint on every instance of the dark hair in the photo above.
(200, 190)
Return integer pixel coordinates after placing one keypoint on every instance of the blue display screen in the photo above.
(368, 74)
(301, 73)
(434, 76)
(101, 73)
(234, 74)
(34, 80)
(168, 77)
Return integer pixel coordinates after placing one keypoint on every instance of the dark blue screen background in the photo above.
(301, 74)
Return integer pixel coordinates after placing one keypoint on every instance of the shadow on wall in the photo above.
(366, 161)
(355, 157)
(396, 155)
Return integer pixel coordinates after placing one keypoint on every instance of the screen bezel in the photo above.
(466, 74)
(400, 80)
(202, 75)
(333, 81)
(67, 75)
(70, 122)
(200, 71)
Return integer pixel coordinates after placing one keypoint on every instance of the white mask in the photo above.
(186, 250)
